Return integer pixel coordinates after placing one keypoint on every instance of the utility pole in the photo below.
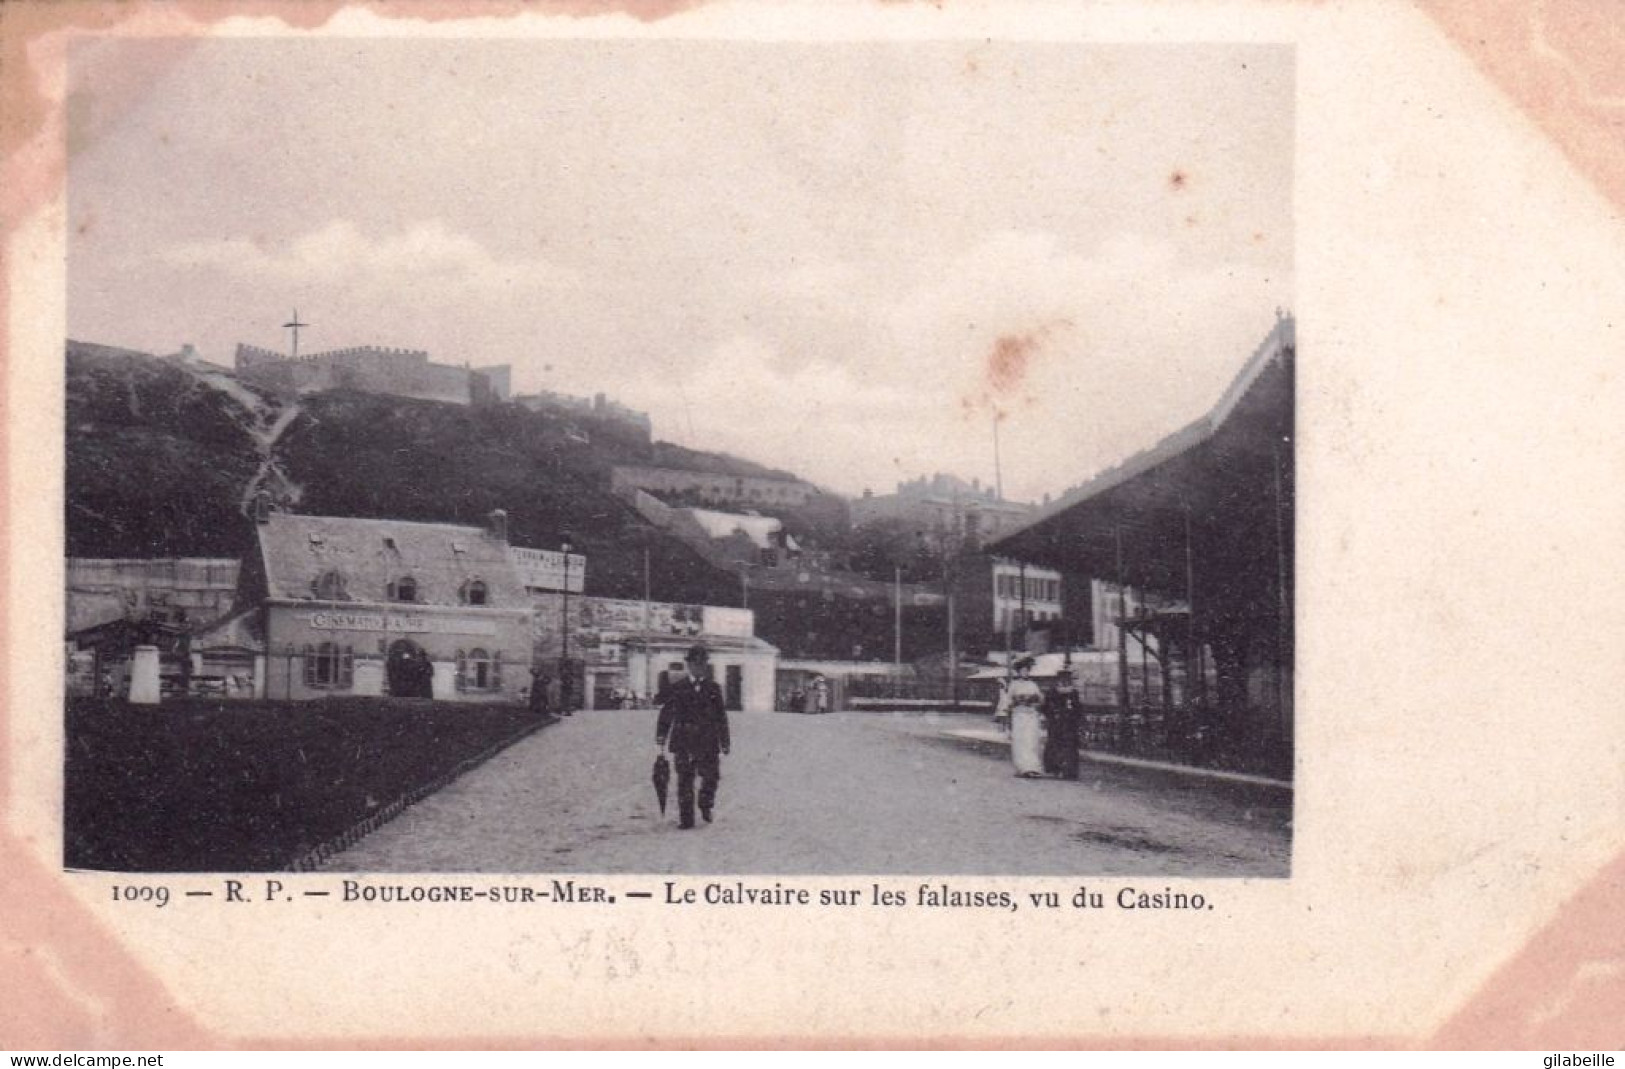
(1022, 594)
(998, 467)
(648, 653)
(1193, 637)
(953, 642)
(1122, 621)
(565, 689)
(897, 617)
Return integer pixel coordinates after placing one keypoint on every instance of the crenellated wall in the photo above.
(374, 369)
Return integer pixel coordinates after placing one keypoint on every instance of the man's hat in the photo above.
(697, 655)
(1024, 662)
(1065, 673)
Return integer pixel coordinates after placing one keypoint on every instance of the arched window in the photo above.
(330, 586)
(475, 592)
(403, 589)
(329, 665)
(478, 675)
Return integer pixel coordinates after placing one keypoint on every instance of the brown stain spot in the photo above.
(1007, 362)
(1258, 237)
(1005, 369)
(1178, 180)
(1191, 220)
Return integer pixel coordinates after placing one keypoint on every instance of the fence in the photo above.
(1249, 739)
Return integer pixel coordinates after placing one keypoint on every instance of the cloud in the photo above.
(1087, 357)
(340, 254)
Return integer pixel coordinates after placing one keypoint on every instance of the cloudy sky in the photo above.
(841, 259)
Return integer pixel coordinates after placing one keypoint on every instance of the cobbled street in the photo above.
(845, 793)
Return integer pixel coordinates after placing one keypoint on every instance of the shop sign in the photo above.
(400, 623)
(543, 569)
(732, 623)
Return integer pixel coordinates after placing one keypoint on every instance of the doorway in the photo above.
(733, 687)
(408, 670)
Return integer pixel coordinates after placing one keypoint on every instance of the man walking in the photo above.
(694, 720)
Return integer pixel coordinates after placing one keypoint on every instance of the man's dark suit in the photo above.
(694, 720)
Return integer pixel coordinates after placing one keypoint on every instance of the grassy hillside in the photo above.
(160, 460)
(156, 460)
(357, 454)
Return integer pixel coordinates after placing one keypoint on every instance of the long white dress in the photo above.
(1026, 727)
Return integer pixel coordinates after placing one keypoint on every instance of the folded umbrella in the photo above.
(662, 776)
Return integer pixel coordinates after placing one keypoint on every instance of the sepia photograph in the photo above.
(729, 524)
(501, 456)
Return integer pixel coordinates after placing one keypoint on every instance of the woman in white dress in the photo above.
(1026, 723)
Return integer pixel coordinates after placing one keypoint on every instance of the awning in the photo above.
(1204, 515)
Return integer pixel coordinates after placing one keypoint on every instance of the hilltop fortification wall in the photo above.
(374, 369)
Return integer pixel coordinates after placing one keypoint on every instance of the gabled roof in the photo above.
(370, 554)
(236, 630)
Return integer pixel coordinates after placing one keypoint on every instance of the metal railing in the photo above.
(1244, 740)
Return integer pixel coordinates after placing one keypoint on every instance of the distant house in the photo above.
(942, 506)
(1000, 600)
(365, 606)
(597, 407)
(726, 539)
(714, 487)
(620, 647)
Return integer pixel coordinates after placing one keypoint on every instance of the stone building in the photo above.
(364, 606)
(943, 508)
(195, 590)
(714, 487)
(397, 372)
(623, 647)
(596, 407)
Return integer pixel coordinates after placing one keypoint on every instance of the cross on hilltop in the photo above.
(294, 325)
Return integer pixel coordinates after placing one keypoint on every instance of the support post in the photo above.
(897, 618)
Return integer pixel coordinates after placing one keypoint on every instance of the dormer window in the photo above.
(403, 589)
(389, 544)
(474, 592)
(330, 586)
(315, 539)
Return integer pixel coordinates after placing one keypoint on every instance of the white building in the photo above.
(622, 646)
(1040, 601)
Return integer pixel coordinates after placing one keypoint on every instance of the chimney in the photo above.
(496, 525)
(262, 506)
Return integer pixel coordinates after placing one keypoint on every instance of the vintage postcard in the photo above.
(981, 524)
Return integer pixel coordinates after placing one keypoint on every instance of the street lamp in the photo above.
(564, 630)
(950, 579)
